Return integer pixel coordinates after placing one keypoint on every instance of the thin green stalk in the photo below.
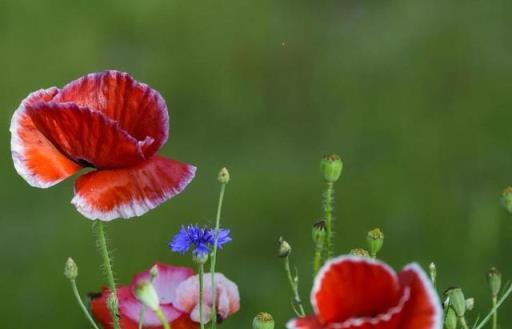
(161, 316)
(463, 323)
(295, 287)
(495, 314)
(328, 199)
(81, 303)
(201, 294)
(214, 256)
(495, 308)
(141, 316)
(107, 265)
(317, 260)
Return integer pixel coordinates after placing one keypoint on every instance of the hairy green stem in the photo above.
(107, 264)
(317, 260)
(495, 314)
(161, 316)
(214, 256)
(201, 294)
(81, 303)
(495, 308)
(328, 200)
(294, 284)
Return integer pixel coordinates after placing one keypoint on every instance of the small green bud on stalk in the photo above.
(319, 231)
(70, 269)
(331, 167)
(284, 248)
(263, 321)
(200, 259)
(146, 294)
(457, 301)
(153, 272)
(359, 252)
(375, 239)
(450, 319)
(494, 279)
(223, 176)
(433, 272)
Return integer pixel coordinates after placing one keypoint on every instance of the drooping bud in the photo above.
(494, 279)
(200, 258)
(153, 272)
(433, 272)
(359, 252)
(284, 248)
(319, 231)
(223, 176)
(506, 199)
(146, 294)
(470, 304)
(263, 320)
(450, 319)
(457, 301)
(70, 269)
(331, 167)
(375, 239)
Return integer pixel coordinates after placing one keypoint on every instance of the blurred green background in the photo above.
(415, 96)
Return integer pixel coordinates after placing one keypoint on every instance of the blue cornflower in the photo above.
(201, 239)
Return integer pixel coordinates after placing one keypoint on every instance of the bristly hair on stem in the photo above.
(328, 207)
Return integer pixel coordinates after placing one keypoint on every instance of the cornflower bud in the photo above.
(223, 176)
(284, 248)
(146, 294)
(70, 269)
(494, 280)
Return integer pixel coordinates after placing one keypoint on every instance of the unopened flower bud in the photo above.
(450, 319)
(359, 252)
(470, 304)
(263, 321)
(284, 248)
(331, 167)
(70, 269)
(146, 294)
(200, 258)
(433, 272)
(223, 176)
(153, 272)
(506, 199)
(319, 231)
(457, 301)
(494, 279)
(375, 239)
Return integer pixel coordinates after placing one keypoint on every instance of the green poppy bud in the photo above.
(70, 269)
(223, 176)
(494, 280)
(375, 239)
(457, 301)
(263, 321)
(284, 248)
(359, 252)
(319, 231)
(450, 319)
(146, 294)
(331, 167)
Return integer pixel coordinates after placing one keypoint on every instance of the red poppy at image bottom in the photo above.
(355, 292)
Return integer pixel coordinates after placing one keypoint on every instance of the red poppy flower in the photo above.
(107, 121)
(166, 282)
(355, 292)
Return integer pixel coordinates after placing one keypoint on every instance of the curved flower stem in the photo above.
(107, 265)
(201, 294)
(141, 316)
(495, 314)
(214, 256)
(81, 303)
(294, 284)
(328, 199)
(161, 316)
(463, 323)
(495, 308)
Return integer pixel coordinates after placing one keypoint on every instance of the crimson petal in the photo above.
(129, 192)
(35, 158)
(345, 285)
(137, 108)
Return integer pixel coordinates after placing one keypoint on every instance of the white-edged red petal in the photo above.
(35, 158)
(166, 282)
(348, 287)
(88, 137)
(423, 311)
(307, 322)
(137, 108)
(133, 191)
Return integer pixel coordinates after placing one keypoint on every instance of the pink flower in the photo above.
(107, 121)
(227, 301)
